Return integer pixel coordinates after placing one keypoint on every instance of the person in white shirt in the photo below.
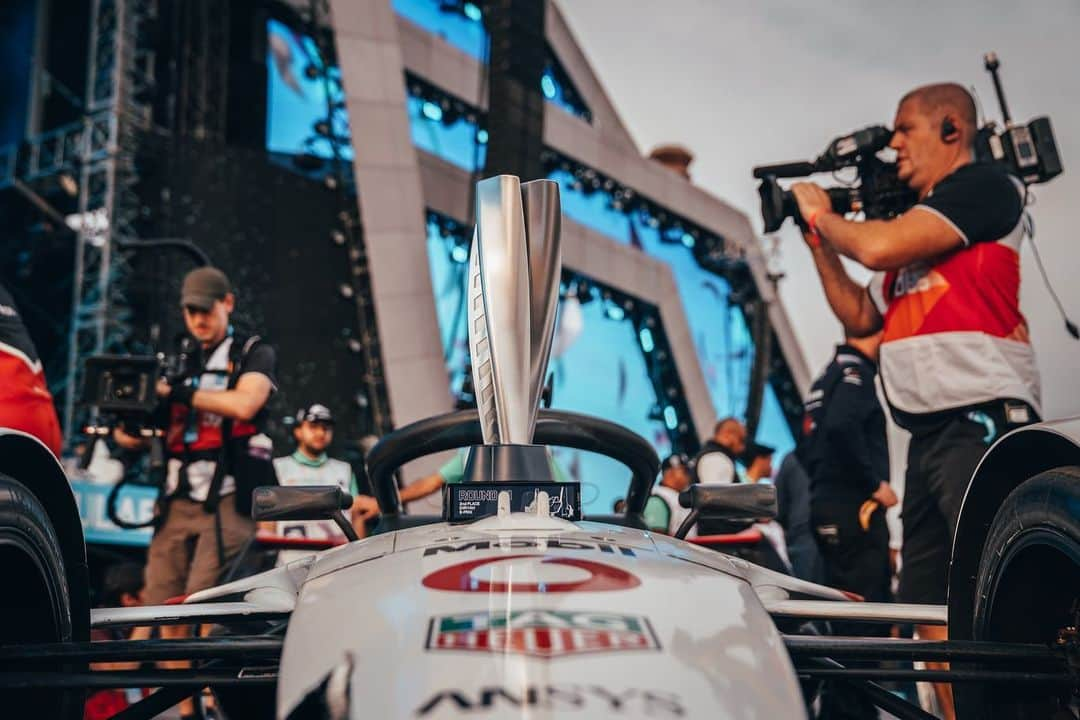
(310, 465)
(715, 464)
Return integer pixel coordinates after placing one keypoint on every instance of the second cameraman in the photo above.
(216, 450)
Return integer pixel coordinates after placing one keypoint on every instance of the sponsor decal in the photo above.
(602, 547)
(541, 633)
(530, 574)
(589, 700)
(916, 278)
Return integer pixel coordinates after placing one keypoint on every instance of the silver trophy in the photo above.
(514, 272)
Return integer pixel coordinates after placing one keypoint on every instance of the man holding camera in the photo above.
(955, 350)
(216, 450)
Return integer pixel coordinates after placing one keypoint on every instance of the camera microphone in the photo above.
(846, 150)
(785, 170)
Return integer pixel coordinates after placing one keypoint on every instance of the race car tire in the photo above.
(1028, 588)
(35, 605)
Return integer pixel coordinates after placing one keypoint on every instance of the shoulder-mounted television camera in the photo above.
(1027, 151)
(121, 391)
(124, 386)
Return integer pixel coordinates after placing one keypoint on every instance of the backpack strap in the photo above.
(238, 352)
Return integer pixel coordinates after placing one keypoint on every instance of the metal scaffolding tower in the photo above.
(119, 82)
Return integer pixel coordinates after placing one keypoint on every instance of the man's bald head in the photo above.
(933, 135)
(942, 100)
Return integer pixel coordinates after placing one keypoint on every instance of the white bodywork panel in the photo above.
(583, 620)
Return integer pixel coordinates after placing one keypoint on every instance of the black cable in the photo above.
(1070, 326)
(111, 507)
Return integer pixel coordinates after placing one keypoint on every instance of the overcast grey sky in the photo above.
(749, 83)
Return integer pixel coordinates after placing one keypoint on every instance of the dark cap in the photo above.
(315, 413)
(755, 450)
(675, 460)
(202, 286)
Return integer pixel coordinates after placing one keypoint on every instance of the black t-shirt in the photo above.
(13, 334)
(982, 201)
(263, 360)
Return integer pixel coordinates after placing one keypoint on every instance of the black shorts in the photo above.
(940, 465)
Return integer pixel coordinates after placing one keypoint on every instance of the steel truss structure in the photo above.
(100, 151)
(119, 79)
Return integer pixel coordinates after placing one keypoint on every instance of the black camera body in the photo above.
(1027, 151)
(122, 389)
(879, 194)
(122, 384)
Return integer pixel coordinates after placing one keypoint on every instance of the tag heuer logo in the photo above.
(541, 633)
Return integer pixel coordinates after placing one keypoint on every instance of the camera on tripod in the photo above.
(1027, 151)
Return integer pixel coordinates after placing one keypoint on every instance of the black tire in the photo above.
(35, 605)
(1028, 587)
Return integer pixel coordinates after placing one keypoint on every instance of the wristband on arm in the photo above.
(814, 237)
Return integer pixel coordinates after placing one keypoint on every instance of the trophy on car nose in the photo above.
(513, 288)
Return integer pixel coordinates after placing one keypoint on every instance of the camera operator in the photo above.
(955, 347)
(216, 451)
(25, 401)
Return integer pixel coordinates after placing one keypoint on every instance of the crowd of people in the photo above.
(938, 330)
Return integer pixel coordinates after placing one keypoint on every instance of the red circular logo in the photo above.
(557, 574)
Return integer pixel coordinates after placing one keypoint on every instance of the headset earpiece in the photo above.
(947, 129)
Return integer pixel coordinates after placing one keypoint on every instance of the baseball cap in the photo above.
(674, 460)
(315, 413)
(202, 286)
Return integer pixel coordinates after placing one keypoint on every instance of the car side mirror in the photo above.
(314, 502)
(745, 502)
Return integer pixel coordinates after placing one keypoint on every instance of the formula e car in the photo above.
(512, 604)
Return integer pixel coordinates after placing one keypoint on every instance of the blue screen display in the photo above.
(458, 142)
(460, 24)
(297, 102)
(297, 99)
